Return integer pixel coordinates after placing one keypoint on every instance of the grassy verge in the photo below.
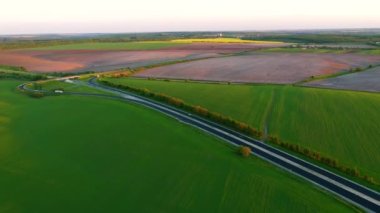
(322, 121)
(94, 155)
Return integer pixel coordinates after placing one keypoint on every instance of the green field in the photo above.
(18, 73)
(371, 52)
(78, 154)
(144, 45)
(304, 50)
(79, 86)
(340, 124)
(224, 40)
(320, 50)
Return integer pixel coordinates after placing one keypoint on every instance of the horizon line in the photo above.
(198, 31)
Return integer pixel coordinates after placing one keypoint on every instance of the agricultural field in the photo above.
(340, 124)
(371, 52)
(282, 68)
(108, 56)
(18, 73)
(144, 45)
(224, 40)
(65, 86)
(92, 60)
(56, 151)
(362, 81)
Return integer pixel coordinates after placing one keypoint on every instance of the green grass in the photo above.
(79, 86)
(340, 124)
(12, 68)
(19, 73)
(303, 50)
(371, 52)
(78, 154)
(144, 45)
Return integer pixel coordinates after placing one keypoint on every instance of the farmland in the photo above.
(108, 56)
(94, 153)
(56, 151)
(281, 68)
(52, 85)
(18, 73)
(223, 40)
(145, 45)
(94, 60)
(320, 119)
(361, 81)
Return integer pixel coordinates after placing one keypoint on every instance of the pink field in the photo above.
(104, 60)
(92, 60)
(262, 68)
(35, 63)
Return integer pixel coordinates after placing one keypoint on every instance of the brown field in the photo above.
(36, 64)
(262, 67)
(92, 60)
(361, 81)
(103, 60)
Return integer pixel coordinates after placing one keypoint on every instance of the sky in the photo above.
(114, 16)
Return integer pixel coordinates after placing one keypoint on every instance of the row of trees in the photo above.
(21, 76)
(12, 68)
(198, 110)
(322, 159)
(243, 128)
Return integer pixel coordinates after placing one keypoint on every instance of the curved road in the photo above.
(350, 191)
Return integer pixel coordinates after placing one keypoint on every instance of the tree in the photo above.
(245, 151)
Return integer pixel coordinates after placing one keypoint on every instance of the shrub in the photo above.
(245, 151)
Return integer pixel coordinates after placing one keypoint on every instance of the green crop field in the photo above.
(78, 154)
(340, 124)
(144, 45)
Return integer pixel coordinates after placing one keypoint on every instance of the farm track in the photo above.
(352, 192)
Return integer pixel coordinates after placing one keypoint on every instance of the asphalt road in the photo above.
(354, 193)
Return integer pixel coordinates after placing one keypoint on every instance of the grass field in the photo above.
(304, 50)
(340, 124)
(19, 73)
(67, 87)
(371, 52)
(224, 40)
(144, 45)
(77, 154)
